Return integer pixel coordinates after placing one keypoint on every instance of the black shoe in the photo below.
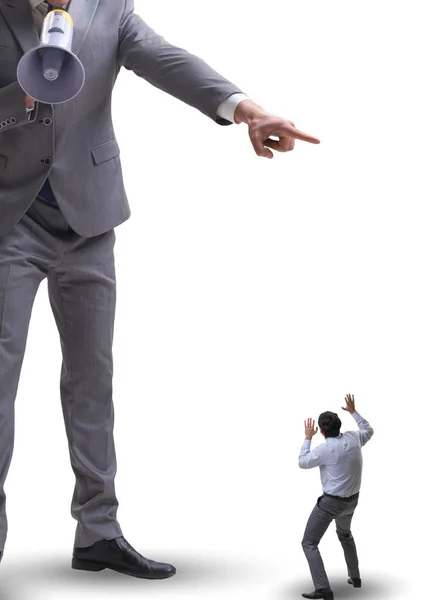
(355, 581)
(325, 593)
(119, 555)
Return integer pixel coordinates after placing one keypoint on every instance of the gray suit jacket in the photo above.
(78, 136)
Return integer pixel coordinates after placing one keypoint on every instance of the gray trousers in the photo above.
(82, 292)
(327, 509)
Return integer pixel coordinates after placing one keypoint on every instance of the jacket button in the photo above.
(47, 161)
(47, 121)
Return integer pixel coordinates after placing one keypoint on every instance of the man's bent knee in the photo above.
(344, 536)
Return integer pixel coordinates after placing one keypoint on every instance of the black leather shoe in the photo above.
(355, 581)
(119, 555)
(325, 593)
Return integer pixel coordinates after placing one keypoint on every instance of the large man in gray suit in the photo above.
(61, 196)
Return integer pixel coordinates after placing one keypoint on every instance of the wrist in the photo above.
(309, 439)
(248, 111)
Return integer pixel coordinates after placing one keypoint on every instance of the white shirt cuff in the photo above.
(30, 112)
(227, 108)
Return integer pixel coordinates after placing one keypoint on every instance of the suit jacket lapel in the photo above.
(82, 12)
(18, 15)
(20, 19)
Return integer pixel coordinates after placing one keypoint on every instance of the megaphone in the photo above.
(51, 73)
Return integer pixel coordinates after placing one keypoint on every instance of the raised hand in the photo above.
(350, 404)
(310, 430)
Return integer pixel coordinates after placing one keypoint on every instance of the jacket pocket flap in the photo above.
(105, 152)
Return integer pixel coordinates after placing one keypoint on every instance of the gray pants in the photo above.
(82, 293)
(327, 509)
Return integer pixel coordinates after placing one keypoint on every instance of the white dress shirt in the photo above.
(340, 459)
(226, 110)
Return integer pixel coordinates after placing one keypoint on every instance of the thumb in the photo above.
(259, 147)
(264, 152)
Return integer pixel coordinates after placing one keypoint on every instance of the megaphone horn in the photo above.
(51, 73)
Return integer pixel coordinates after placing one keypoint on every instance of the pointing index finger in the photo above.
(301, 135)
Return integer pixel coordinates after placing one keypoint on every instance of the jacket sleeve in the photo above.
(169, 68)
(12, 107)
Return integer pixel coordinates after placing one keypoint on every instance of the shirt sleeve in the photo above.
(365, 431)
(309, 459)
(227, 108)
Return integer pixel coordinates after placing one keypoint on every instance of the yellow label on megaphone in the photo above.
(64, 13)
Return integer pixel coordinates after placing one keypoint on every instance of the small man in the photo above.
(340, 462)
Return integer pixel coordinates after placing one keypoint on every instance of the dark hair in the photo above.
(329, 424)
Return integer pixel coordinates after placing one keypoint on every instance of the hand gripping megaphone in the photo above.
(51, 73)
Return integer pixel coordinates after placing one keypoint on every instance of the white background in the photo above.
(251, 295)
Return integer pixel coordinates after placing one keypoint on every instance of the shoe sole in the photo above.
(86, 565)
(324, 597)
